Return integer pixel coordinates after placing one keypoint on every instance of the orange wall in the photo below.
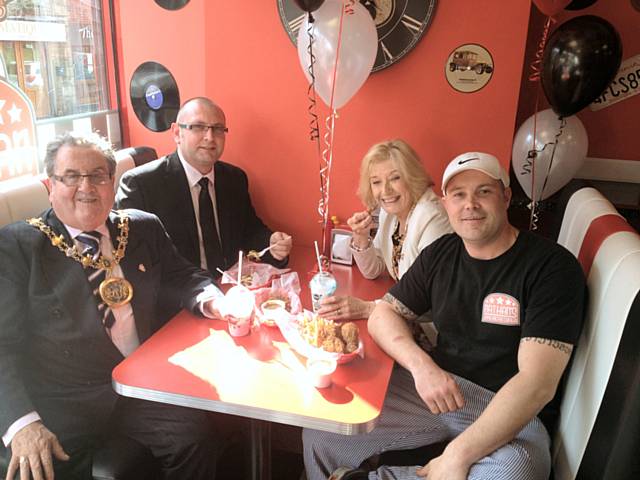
(612, 131)
(239, 54)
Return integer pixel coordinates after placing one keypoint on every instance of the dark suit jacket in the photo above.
(55, 357)
(161, 187)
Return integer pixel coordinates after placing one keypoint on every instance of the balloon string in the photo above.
(325, 176)
(335, 65)
(314, 127)
(536, 65)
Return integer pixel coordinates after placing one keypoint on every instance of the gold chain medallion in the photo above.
(114, 291)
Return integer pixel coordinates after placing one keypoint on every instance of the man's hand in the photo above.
(213, 308)
(31, 450)
(438, 389)
(345, 308)
(281, 244)
(444, 467)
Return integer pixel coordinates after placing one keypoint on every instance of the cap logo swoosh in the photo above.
(462, 162)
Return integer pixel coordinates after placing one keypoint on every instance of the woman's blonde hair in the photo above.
(407, 162)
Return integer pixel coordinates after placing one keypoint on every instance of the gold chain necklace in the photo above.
(114, 291)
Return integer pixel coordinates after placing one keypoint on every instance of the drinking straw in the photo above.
(239, 266)
(315, 242)
(225, 274)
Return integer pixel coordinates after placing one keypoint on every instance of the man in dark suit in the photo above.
(208, 220)
(60, 339)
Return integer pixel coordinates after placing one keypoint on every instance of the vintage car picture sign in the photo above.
(469, 68)
(18, 143)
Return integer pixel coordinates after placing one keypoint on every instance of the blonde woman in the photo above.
(393, 178)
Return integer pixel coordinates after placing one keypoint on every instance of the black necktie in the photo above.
(212, 248)
(92, 242)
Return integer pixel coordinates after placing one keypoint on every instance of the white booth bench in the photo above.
(598, 435)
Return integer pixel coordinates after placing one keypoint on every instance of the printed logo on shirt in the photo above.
(501, 309)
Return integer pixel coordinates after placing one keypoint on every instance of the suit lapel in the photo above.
(68, 281)
(178, 186)
(223, 195)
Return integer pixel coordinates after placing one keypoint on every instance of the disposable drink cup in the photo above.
(239, 327)
(239, 303)
(323, 284)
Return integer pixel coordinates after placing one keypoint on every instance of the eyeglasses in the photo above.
(202, 129)
(75, 179)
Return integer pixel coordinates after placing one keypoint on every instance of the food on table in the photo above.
(272, 309)
(253, 256)
(246, 280)
(282, 297)
(328, 335)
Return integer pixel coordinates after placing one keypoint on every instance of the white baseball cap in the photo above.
(482, 162)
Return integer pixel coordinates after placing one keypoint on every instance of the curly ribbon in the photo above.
(536, 65)
(314, 127)
(531, 157)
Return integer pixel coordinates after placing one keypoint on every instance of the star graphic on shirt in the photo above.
(14, 113)
(500, 300)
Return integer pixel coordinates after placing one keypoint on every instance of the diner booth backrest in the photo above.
(127, 158)
(599, 426)
(22, 198)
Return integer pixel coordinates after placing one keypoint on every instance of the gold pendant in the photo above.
(116, 291)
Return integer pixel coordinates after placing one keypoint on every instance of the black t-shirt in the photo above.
(482, 308)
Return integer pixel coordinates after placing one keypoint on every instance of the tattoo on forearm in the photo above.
(563, 347)
(399, 307)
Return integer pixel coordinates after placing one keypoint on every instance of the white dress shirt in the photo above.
(193, 177)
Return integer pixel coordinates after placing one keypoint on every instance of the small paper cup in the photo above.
(320, 370)
(272, 310)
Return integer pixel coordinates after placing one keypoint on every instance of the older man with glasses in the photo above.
(203, 202)
(78, 293)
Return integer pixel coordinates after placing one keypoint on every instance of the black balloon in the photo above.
(580, 4)
(309, 5)
(580, 59)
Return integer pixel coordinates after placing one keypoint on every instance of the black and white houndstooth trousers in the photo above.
(406, 423)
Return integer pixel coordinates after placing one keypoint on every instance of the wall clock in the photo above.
(400, 24)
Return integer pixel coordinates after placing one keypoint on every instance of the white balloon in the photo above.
(533, 173)
(358, 49)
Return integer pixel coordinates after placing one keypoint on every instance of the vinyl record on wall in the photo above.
(172, 4)
(154, 96)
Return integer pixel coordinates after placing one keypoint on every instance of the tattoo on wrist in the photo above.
(563, 347)
(399, 307)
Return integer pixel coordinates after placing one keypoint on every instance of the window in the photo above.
(53, 52)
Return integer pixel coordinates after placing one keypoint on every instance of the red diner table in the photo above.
(194, 362)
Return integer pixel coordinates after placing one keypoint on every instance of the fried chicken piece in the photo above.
(333, 344)
(349, 333)
(351, 347)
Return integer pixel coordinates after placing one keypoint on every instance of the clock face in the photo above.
(400, 24)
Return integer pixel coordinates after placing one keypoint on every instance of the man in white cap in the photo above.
(507, 324)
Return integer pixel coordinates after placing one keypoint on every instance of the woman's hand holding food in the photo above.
(345, 308)
(361, 223)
